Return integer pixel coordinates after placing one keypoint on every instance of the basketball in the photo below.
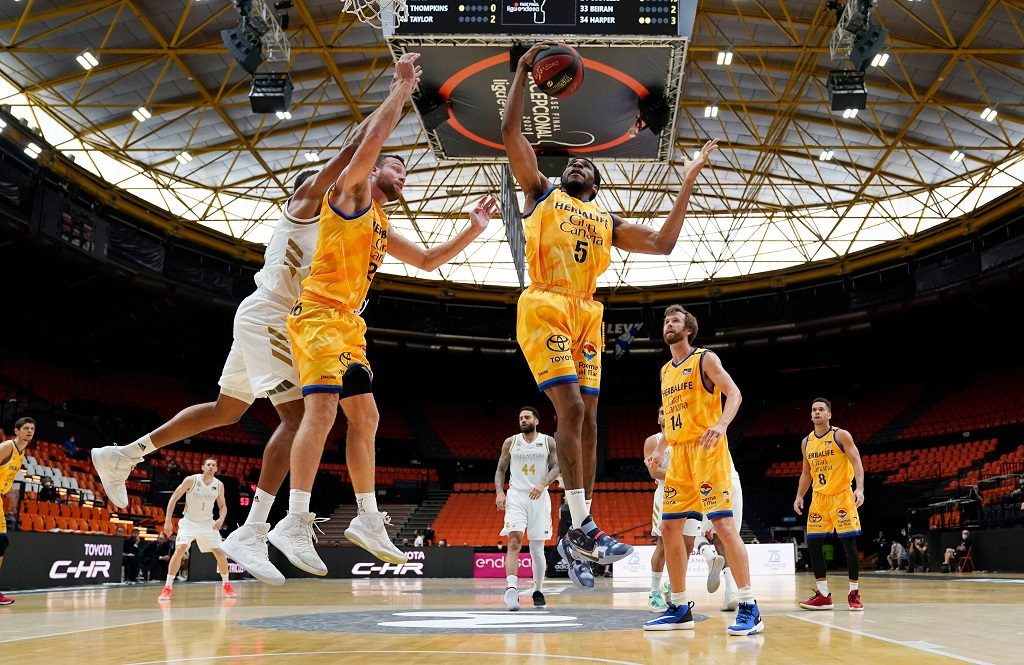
(558, 70)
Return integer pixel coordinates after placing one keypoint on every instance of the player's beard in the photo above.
(577, 188)
(674, 338)
(528, 429)
(391, 192)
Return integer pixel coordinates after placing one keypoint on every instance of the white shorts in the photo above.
(260, 362)
(694, 528)
(530, 515)
(659, 497)
(201, 532)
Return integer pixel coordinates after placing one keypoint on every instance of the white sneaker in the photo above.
(247, 546)
(715, 566)
(113, 468)
(367, 531)
(293, 536)
(512, 599)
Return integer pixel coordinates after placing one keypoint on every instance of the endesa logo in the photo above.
(63, 569)
(365, 568)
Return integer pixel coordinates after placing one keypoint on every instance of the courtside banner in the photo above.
(40, 560)
(356, 563)
(492, 564)
(771, 559)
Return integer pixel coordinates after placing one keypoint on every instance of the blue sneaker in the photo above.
(602, 549)
(748, 620)
(579, 571)
(676, 617)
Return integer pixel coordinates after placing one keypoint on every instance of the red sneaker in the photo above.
(854, 600)
(817, 602)
(165, 595)
(229, 591)
(4, 600)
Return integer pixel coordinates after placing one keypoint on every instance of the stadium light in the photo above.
(184, 157)
(284, 115)
(711, 111)
(33, 150)
(989, 114)
(957, 155)
(850, 113)
(142, 114)
(312, 156)
(826, 155)
(879, 60)
(2, 124)
(87, 60)
(725, 58)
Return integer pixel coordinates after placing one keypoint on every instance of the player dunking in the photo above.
(259, 364)
(329, 337)
(559, 324)
(831, 461)
(693, 385)
(201, 492)
(12, 453)
(527, 506)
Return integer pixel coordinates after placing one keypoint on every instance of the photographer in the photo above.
(918, 553)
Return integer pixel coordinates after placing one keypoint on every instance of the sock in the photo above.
(170, 581)
(259, 510)
(822, 587)
(708, 551)
(656, 583)
(589, 503)
(577, 506)
(367, 502)
(224, 577)
(746, 594)
(512, 581)
(298, 502)
(730, 583)
(589, 526)
(539, 562)
(138, 448)
(679, 598)
(854, 586)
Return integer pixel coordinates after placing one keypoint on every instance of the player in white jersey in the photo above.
(259, 364)
(534, 466)
(201, 492)
(711, 550)
(656, 600)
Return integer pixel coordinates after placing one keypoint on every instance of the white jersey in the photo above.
(529, 461)
(289, 255)
(200, 499)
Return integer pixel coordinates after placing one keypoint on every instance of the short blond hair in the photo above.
(689, 320)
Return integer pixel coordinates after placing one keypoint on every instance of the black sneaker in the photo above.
(579, 571)
(602, 548)
(538, 599)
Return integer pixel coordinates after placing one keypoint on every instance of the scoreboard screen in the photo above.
(654, 18)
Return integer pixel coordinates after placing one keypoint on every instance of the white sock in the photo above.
(367, 502)
(512, 581)
(298, 502)
(138, 448)
(259, 510)
(656, 582)
(589, 502)
(224, 577)
(679, 598)
(854, 586)
(539, 564)
(822, 587)
(730, 583)
(746, 594)
(170, 581)
(577, 506)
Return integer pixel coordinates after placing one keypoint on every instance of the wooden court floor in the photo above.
(447, 622)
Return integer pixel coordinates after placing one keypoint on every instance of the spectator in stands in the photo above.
(47, 492)
(71, 448)
(430, 537)
(405, 542)
(897, 554)
(961, 550)
(882, 549)
(155, 556)
(132, 551)
(501, 546)
(918, 554)
(442, 543)
(417, 541)
(755, 541)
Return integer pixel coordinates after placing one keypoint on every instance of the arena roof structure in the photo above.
(162, 112)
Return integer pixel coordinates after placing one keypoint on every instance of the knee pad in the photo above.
(4, 542)
(357, 380)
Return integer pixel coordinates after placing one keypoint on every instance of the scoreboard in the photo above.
(653, 18)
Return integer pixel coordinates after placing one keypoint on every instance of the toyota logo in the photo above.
(559, 343)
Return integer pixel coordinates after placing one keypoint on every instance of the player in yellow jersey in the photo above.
(12, 453)
(559, 324)
(831, 461)
(328, 335)
(694, 385)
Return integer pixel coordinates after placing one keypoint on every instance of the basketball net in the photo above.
(369, 11)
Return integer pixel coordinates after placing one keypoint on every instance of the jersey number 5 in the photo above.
(580, 253)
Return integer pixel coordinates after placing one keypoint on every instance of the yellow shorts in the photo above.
(833, 512)
(326, 342)
(698, 482)
(562, 337)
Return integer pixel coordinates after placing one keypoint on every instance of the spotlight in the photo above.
(879, 60)
(957, 155)
(87, 60)
(284, 115)
(850, 113)
(142, 114)
(989, 114)
(244, 46)
(846, 90)
(183, 157)
(312, 156)
(711, 111)
(826, 155)
(271, 93)
(725, 58)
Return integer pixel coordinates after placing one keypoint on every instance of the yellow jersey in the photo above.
(690, 406)
(831, 470)
(568, 242)
(10, 469)
(349, 250)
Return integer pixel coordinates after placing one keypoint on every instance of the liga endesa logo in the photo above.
(63, 569)
(492, 564)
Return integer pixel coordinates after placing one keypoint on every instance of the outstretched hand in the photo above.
(483, 211)
(407, 71)
(693, 166)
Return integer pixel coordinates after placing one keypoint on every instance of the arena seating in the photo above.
(992, 400)
(628, 426)
(477, 432)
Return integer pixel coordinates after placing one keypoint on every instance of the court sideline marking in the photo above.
(81, 630)
(392, 652)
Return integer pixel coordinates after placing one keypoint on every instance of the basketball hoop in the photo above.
(373, 11)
